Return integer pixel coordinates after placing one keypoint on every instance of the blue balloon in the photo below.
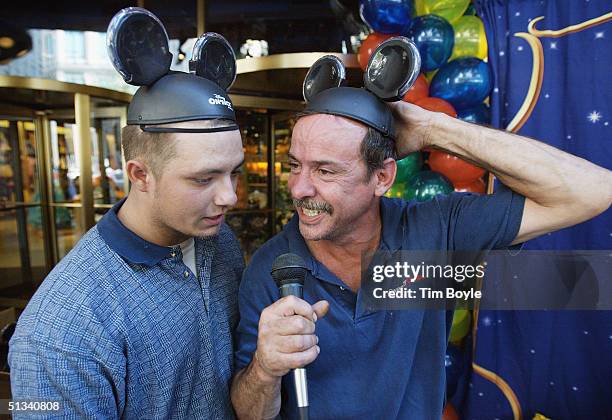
(464, 82)
(435, 38)
(387, 16)
(480, 114)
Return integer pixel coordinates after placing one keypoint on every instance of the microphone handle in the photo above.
(292, 289)
(299, 375)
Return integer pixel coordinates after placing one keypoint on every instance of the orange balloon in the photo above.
(477, 186)
(449, 412)
(369, 45)
(457, 170)
(419, 90)
(437, 105)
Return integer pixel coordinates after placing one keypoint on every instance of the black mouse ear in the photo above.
(392, 69)
(213, 58)
(137, 44)
(327, 72)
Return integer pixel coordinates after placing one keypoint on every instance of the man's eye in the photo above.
(293, 166)
(236, 174)
(203, 181)
(325, 172)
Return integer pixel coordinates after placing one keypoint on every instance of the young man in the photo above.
(385, 364)
(136, 321)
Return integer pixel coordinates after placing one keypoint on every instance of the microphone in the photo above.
(288, 271)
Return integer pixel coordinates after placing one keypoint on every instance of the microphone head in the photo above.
(288, 268)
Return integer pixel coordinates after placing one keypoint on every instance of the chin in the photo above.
(313, 233)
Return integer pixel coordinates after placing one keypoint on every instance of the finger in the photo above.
(293, 325)
(301, 359)
(320, 309)
(292, 305)
(297, 343)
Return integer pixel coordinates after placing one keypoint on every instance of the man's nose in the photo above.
(301, 186)
(225, 195)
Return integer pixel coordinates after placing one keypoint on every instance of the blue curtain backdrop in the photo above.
(557, 363)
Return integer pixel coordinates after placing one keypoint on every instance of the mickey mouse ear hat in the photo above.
(391, 71)
(138, 47)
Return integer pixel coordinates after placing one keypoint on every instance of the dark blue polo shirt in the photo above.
(381, 364)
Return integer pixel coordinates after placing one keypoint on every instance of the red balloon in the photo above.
(457, 170)
(477, 186)
(419, 90)
(437, 105)
(369, 45)
(449, 412)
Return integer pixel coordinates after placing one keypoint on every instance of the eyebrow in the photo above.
(317, 162)
(217, 171)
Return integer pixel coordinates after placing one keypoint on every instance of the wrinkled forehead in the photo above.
(333, 129)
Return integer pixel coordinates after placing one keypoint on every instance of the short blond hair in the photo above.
(156, 149)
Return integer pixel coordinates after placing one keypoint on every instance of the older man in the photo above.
(385, 364)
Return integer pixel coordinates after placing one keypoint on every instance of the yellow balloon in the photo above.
(450, 10)
(470, 38)
(430, 75)
(461, 325)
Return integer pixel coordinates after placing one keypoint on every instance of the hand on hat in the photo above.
(413, 127)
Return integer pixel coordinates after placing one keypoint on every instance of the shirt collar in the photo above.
(126, 243)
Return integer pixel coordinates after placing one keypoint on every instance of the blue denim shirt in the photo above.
(121, 328)
(377, 364)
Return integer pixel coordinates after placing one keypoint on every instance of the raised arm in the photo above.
(560, 189)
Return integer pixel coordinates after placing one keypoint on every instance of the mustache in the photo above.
(311, 204)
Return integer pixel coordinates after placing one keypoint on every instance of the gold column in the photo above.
(82, 117)
(126, 179)
(201, 17)
(45, 183)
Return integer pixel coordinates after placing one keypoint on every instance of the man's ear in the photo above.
(139, 174)
(385, 176)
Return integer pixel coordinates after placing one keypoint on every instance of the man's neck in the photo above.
(136, 216)
(343, 255)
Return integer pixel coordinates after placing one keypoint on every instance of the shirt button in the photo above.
(186, 273)
(173, 254)
(342, 288)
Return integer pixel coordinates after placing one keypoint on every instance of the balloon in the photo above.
(434, 38)
(450, 10)
(437, 105)
(425, 185)
(477, 186)
(396, 190)
(419, 90)
(449, 412)
(368, 46)
(408, 166)
(453, 364)
(461, 325)
(454, 168)
(387, 16)
(464, 82)
(470, 38)
(480, 114)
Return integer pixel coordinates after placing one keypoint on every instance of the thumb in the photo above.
(320, 308)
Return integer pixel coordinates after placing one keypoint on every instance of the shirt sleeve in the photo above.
(482, 222)
(257, 291)
(83, 385)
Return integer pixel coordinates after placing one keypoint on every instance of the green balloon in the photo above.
(396, 190)
(426, 185)
(408, 166)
